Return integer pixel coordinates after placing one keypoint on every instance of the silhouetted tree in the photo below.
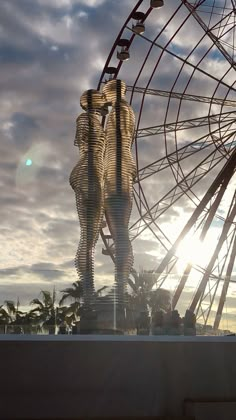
(45, 310)
(5, 319)
(143, 297)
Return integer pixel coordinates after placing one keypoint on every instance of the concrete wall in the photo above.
(76, 376)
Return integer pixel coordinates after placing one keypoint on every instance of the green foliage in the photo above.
(143, 297)
(47, 315)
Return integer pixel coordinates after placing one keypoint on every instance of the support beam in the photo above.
(210, 266)
(205, 229)
(225, 173)
(225, 286)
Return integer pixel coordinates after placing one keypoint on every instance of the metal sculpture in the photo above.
(120, 171)
(86, 179)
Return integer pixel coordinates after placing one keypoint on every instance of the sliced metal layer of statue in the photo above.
(120, 171)
(87, 180)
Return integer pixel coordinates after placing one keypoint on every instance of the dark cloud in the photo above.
(47, 271)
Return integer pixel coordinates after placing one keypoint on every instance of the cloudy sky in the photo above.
(50, 52)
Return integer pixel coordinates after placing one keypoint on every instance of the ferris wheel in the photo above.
(178, 61)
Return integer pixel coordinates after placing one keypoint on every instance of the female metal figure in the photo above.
(87, 179)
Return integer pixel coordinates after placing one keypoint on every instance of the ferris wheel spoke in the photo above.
(223, 177)
(207, 220)
(181, 188)
(189, 149)
(208, 31)
(182, 96)
(187, 62)
(162, 238)
(186, 124)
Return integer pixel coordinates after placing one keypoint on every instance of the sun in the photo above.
(192, 250)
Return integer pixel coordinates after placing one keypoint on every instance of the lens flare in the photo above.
(28, 162)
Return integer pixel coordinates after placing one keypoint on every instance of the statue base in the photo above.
(111, 319)
(88, 322)
(105, 320)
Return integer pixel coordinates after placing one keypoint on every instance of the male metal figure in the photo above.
(120, 171)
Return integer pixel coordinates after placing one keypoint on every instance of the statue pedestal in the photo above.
(143, 323)
(110, 319)
(88, 323)
(106, 320)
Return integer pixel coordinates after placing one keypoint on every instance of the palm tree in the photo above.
(14, 320)
(143, 299)
(45, 310)
(5, 319)
(13, 315)
(140, 289)
(74, 294)
(160, 300)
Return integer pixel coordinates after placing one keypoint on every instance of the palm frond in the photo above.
(47, 298)
(37, 302)
(10, 306)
